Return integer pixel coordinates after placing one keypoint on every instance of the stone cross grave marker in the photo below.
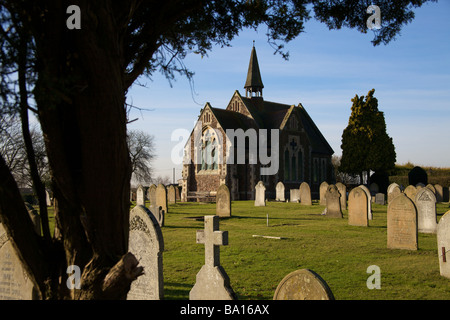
(147, 245)
(443, 245)
(333, 202)
(140, 196)
(223, 201)
(280, 192)
(402, 224)
(305, 194)
(260, 195)
(212, 282)
(303, 284)
(426, 211)
(357, 208)
(161, 197)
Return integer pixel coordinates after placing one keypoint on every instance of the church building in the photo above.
(232, 146)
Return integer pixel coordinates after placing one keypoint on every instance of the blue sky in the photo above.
(326, 69)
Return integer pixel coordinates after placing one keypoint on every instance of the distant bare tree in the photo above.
(163, 180)
(142, 152)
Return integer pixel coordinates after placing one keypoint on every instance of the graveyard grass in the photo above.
(339, 253)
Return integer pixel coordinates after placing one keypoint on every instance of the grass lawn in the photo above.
(339, 253)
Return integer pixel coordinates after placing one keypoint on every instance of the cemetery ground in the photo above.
(339, 253)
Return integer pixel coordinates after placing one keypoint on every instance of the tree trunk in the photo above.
(81, 103)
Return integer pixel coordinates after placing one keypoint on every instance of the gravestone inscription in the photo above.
(402, 224)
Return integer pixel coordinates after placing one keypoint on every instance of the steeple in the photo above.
(253, 84)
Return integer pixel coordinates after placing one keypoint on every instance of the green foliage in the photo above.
(365, 143)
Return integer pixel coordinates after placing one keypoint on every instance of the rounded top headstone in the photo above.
(303, 284)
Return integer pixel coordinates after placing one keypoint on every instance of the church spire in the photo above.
(253, 84)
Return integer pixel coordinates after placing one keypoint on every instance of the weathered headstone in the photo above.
(140, 196)
(369, 201)
(426, 211)
(260, 194)
(212, 282)
(380, 199)
(322, 193)
(151, 195)
(15, 282)
(393, 193)
(279, 190)
(417, 175)
(357, 208)
(402, 224)
(431, 187)
(333, 202)
(411, 192)
(171, 195)
(294, 195)
(147, 245)
(303, 284)
(443, 245)
(343, 191)
(305, 194)
(439, 193)
(161, 197)
(223, 201)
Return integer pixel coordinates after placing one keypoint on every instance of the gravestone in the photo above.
(223, 201)
(161, 197)
(426, 211)
(369, 201)
(140, 196)
(260, 195)
(431, 187)
(303, 284)
(212, 282)
(439, 193)
(343, 191)
(147, 245)
(402, 224)
(151, 195)
(417, 175)
(305, 194)
(380, 199)
(322, 193)
(294, 195)
(333, 199)
(394, 192)
(443, 244)
(15, 282)
(411, 192)
(171, 195)
(280, 192)
(48, 200)
(357, 208)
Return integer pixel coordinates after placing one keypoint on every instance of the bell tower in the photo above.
(253, 85)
